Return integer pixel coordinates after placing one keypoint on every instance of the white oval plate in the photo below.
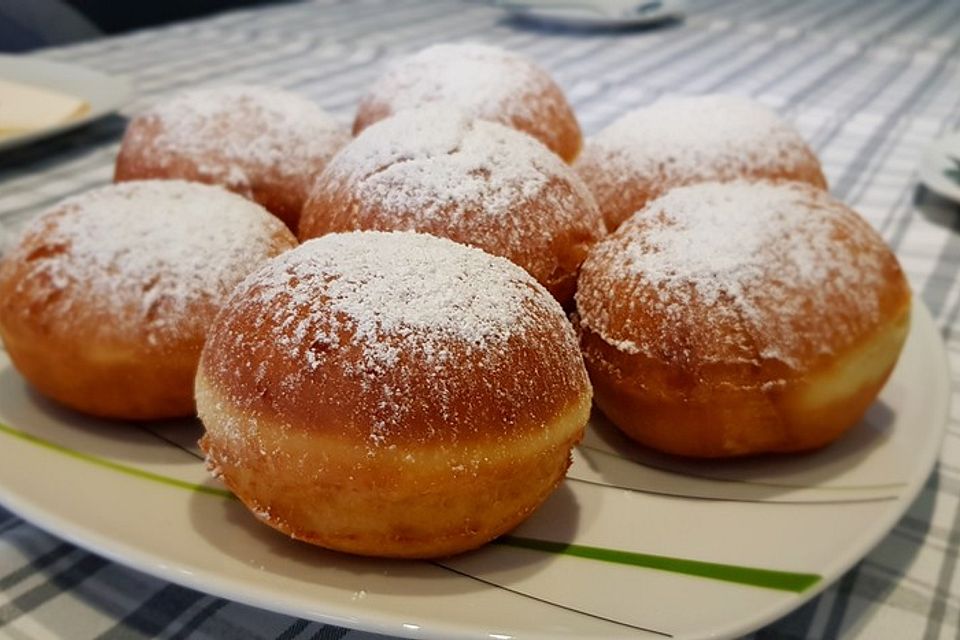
(940, 166)
(622, 550)
(105, 94)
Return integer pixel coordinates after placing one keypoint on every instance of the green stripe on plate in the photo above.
(767, 578)
(110, 464)
(770, 579)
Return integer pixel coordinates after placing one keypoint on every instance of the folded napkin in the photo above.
(25, 108)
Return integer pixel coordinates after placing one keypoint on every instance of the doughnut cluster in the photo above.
(394, 338)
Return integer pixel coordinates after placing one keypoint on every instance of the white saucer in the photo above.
(595, 14)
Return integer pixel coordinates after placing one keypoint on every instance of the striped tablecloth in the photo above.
(870, 85)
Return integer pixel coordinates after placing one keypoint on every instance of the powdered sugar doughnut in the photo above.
(391, 394)
(485, 82)
(680, 141)
(738, 318)
(106, 299)
(266, 144)
(438, 171)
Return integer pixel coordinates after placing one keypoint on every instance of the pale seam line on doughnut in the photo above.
(902, 326)
(776, 485)
(663, 563)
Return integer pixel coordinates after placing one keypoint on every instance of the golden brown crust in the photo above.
(112, 342)
(373, 423)
(527, 207)
(264, 144)
(552, 253)
(138, 159)
(552, 122)
(102, 381)
(281, 348)
(418, 500)
(712, 364)
(749, 412)
(480, 397)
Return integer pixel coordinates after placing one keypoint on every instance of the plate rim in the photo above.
(355, 616)
(912, 489)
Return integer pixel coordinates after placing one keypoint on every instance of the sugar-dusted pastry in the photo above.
(681, 141)
(106, 299)
(266, 144)
(391, 394)
(485, 82)
(436, 170)
(740, 318)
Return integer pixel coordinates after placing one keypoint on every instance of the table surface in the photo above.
(870, 85)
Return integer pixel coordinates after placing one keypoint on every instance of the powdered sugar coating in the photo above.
(438, 162)
(246, 128)
(481, 79)
(485, 82)
(438, 170)
(394, 336)
(691, 139)
(265, 144)
(737, 273)
(407, 289)
(141, 261)
(689, 136)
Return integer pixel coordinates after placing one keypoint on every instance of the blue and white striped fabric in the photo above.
(870, 85)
